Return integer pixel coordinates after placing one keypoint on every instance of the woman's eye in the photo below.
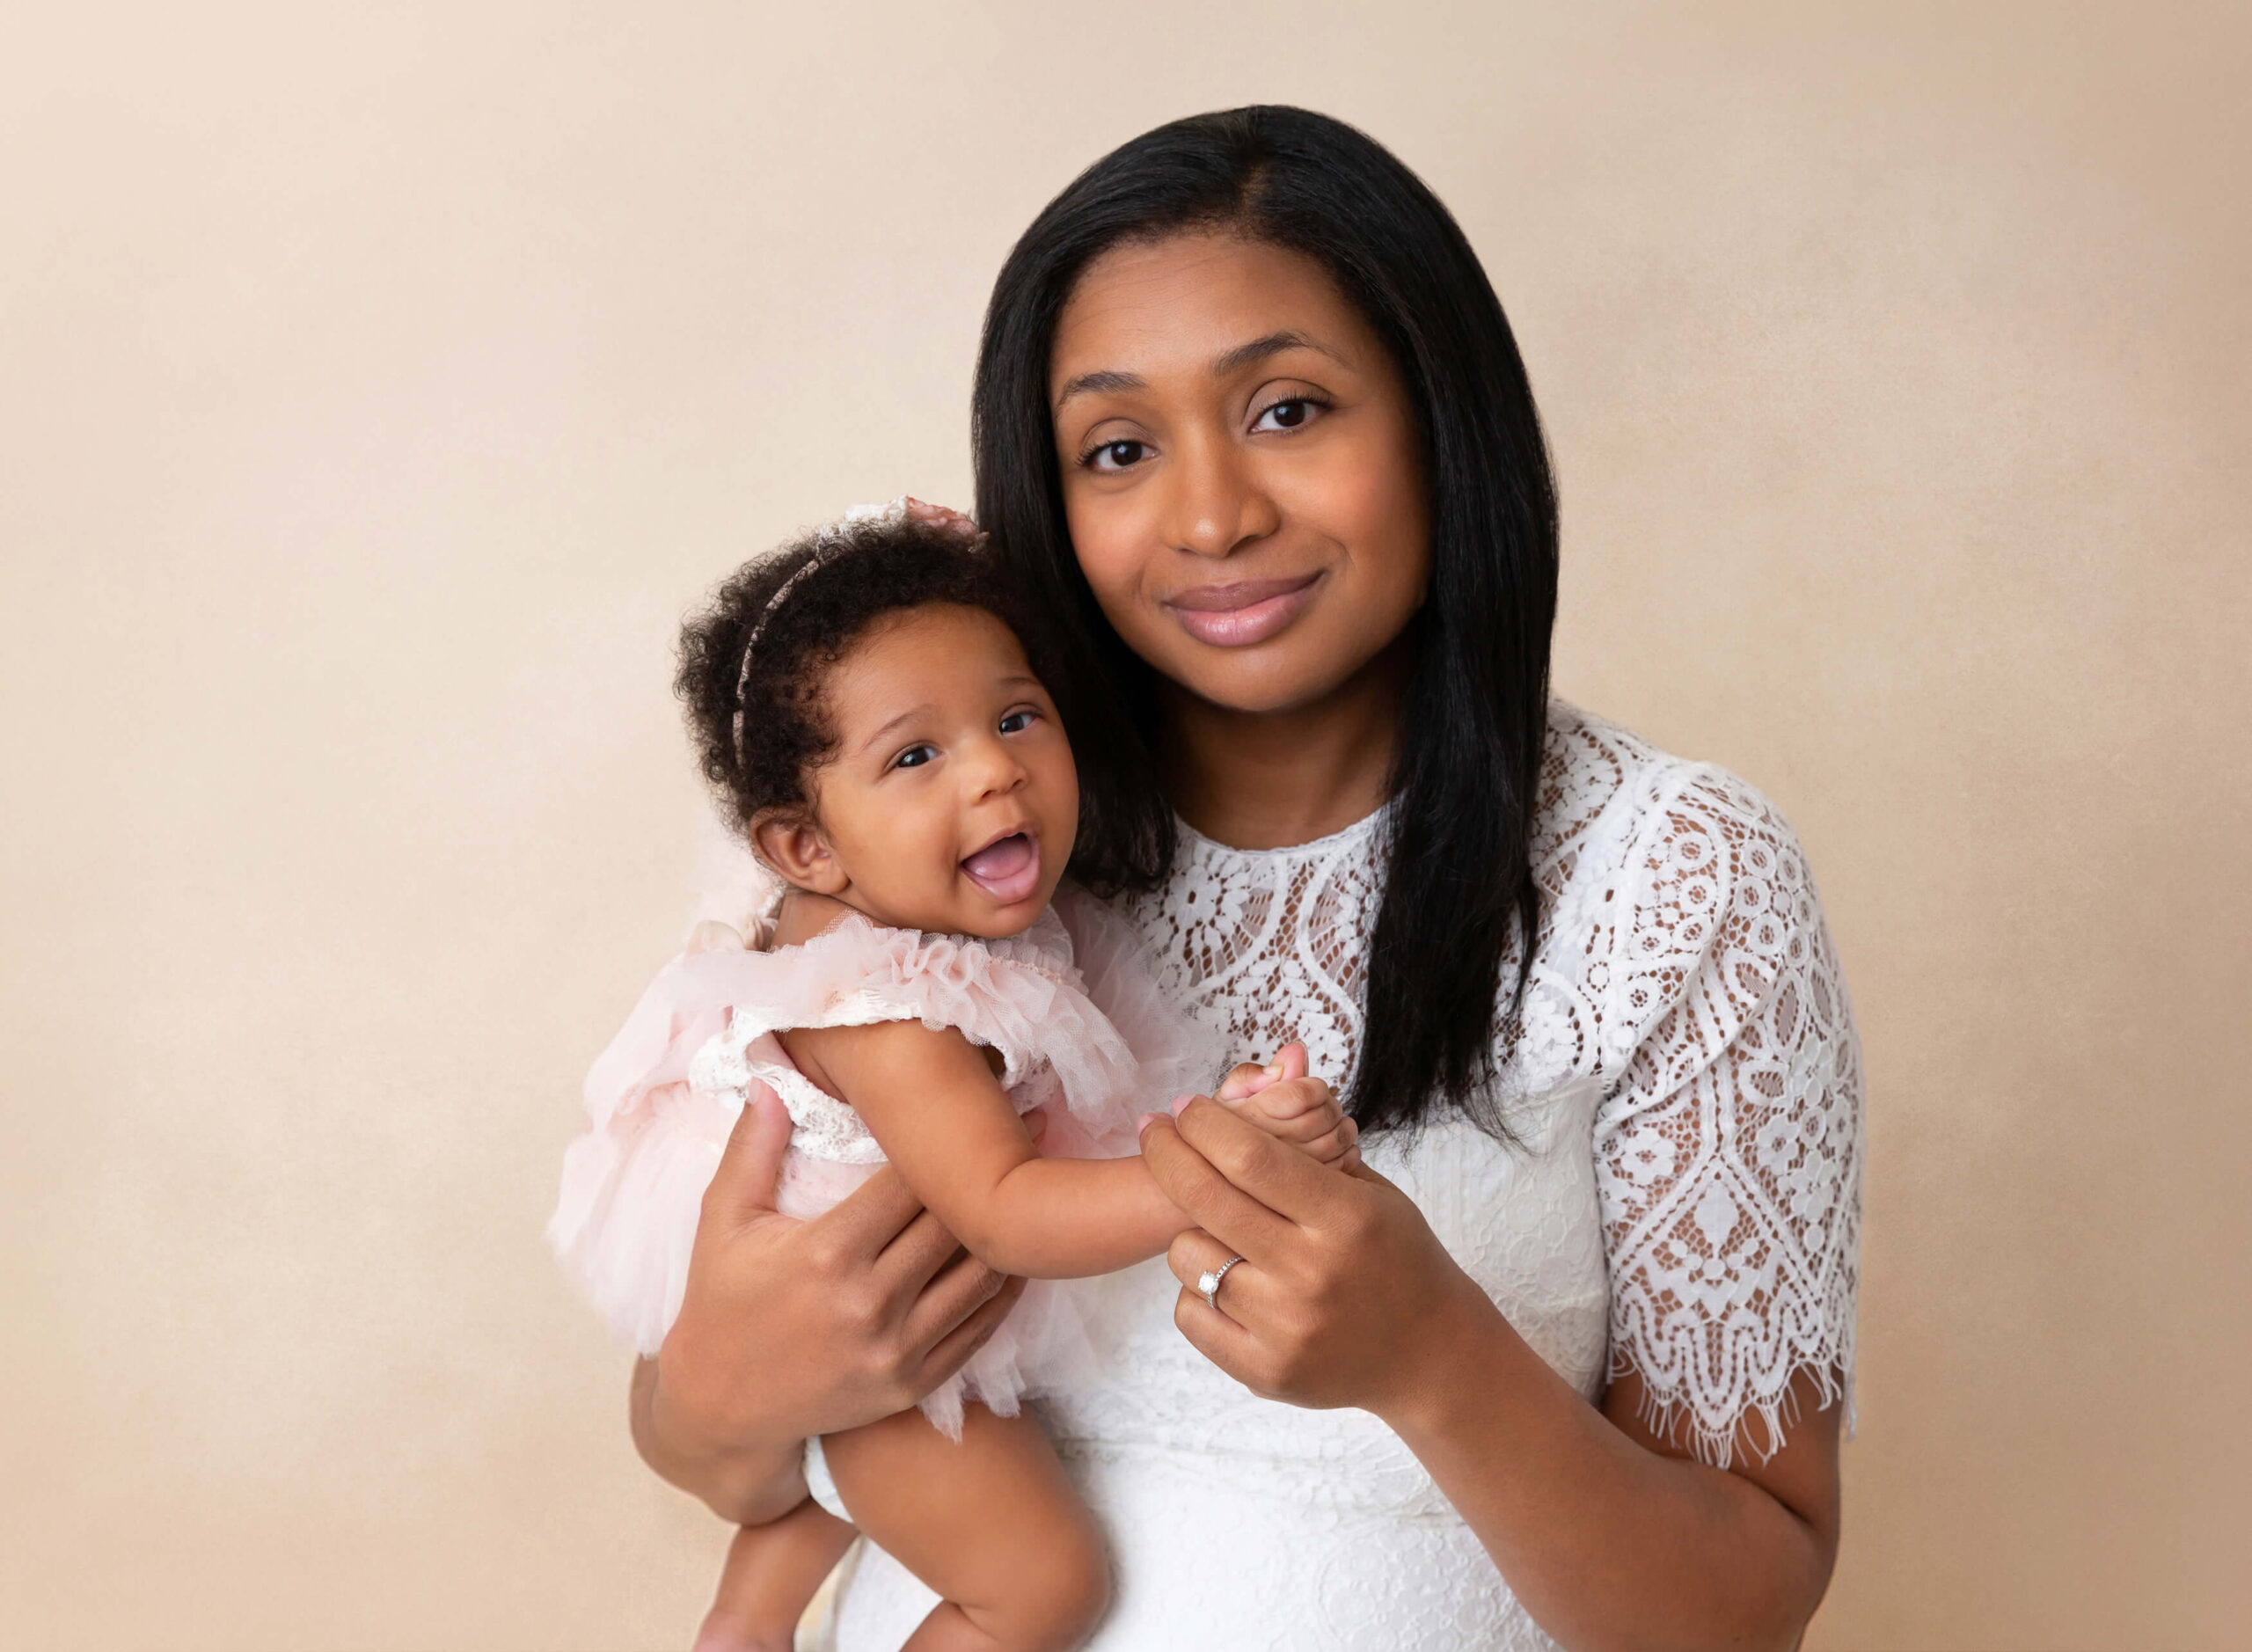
(1290, 415)
(914, 756)
(1017, 723)
(1116, 456)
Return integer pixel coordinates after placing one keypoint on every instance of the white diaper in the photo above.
(822, 1484)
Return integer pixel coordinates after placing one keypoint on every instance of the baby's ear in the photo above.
(789, 841)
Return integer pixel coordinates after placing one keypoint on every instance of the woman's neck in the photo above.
(1271, 779)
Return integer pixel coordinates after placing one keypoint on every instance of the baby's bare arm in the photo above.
(941, 1117)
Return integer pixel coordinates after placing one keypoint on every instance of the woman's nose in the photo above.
(1217, 504)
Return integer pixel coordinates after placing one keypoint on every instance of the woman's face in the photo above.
(1242, 469)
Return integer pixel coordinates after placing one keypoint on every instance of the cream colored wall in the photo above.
(380, 385)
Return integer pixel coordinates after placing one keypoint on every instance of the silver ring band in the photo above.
(1207, 1284)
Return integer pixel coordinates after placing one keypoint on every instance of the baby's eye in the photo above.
(1116, 456)
(1293, 412)
(914, 756)
(1017, 723)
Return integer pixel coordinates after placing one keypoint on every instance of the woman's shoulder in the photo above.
(1664, 877)
(1669, 883)
(1602, 782)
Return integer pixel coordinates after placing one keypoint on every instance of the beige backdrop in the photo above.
(380, 385)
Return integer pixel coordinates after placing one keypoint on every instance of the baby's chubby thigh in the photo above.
(990, 1523)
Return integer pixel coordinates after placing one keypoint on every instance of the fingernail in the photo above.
(1143, 1123)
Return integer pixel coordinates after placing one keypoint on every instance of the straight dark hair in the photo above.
(1459, 894)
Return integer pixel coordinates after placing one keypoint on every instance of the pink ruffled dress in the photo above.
(1068, 1005)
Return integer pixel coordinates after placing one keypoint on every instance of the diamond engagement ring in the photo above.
(1207, 1283)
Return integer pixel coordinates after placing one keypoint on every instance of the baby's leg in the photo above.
(992, 1525)
(771, 1574)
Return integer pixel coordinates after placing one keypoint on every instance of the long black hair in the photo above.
(1459, 896)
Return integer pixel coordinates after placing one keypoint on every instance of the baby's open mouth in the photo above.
(1008, 870)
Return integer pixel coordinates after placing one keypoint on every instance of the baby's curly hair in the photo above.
(761, 727)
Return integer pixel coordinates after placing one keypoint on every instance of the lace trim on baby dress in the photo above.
(1019, 995)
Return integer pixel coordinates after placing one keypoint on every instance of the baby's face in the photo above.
(951, 801)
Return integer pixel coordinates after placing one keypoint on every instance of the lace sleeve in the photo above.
(1728, 1148)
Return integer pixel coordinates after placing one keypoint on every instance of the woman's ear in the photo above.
(788, 840)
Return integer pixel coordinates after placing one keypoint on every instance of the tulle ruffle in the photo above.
(1020, 998)
(1070, 1007)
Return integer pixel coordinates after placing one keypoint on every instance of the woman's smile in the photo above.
(1241, 612)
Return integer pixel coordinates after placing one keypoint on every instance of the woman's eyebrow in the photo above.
(1110, 380)
(1273, 344)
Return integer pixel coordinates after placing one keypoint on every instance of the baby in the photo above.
(872, 718)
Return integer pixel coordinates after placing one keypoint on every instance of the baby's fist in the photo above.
(1281, 1100)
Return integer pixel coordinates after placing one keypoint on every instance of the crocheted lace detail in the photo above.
(1683, 965)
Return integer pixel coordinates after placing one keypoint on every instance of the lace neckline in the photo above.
(1344, 837)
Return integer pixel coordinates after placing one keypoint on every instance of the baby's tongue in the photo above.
(1007, 869)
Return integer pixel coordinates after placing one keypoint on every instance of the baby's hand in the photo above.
(1305, 1112)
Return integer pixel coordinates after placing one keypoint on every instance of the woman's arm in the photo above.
(796, 1328)
(1605, 1532)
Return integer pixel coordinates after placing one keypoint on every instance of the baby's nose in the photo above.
(995, 769)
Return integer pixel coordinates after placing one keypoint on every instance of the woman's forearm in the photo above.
(1607, 1543)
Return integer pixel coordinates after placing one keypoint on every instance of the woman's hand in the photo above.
(796, 1328)
(1607, 1534)
(1341, 1281)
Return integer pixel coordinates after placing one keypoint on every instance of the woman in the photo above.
(1566, 1361)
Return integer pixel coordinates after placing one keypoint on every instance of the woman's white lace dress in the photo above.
(1683, 1203)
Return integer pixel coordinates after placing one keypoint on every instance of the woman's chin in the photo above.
(1271, 681)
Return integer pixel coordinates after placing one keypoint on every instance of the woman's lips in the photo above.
(1008, 870)
(1238, 615)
